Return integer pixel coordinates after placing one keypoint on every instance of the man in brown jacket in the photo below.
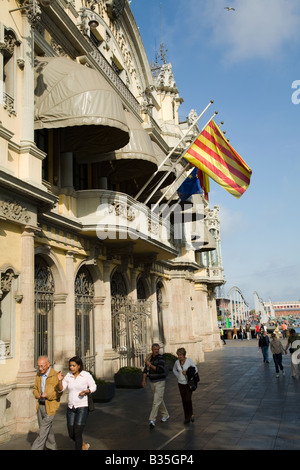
(46, 392)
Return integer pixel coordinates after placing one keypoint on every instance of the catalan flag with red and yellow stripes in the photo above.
(204, 182)
(215, 157)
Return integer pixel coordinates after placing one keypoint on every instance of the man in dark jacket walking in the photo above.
(155, 371)
(263, 344)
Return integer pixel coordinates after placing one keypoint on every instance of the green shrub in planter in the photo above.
(105, 391)
(169, 360)
(129, 377)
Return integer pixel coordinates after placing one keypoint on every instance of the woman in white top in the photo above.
(180, 369)
(79, 384)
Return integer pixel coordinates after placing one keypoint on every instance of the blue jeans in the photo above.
(265, 351)
(76, 420)
(278, 362)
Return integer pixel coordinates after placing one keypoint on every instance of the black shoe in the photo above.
(193, 418)
(186, 421)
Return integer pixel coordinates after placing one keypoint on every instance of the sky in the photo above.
(248, 61)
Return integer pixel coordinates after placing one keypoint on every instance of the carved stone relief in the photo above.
(14, 211)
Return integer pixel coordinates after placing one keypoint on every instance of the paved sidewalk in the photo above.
(239, 405)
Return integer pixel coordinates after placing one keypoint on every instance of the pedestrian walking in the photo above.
(180, 370)
(284, 328)
(263, 344)
(293, 344)
(45, 390)
(155, 371)
(277, 331)
(248, 331)
(257, 330)
(80, 384)
(277, 350)
(234, 333)
(222, 335)
(241, 332)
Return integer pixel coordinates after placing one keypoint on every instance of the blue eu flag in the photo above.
(190, 186)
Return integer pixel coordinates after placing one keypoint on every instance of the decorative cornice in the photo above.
(16, 186)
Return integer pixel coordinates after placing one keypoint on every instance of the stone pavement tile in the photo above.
(286, 443)
(239, 404)
(189, 441)
(266, 428)
(221, 441)
(256, 442)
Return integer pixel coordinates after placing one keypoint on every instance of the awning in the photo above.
(79, 100)
(134, 160)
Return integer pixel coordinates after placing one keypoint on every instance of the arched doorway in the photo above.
(84, 318)
(131, 323)
(43, 307)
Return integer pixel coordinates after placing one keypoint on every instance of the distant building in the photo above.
(283, 309)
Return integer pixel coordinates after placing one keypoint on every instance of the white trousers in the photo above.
(158, 389)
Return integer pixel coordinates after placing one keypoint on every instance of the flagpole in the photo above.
(184, 169)
(170, 153)
(172, 208)
(175, 205)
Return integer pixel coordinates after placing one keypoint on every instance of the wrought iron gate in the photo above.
(84, 319)
(132, 332)
(43, 306)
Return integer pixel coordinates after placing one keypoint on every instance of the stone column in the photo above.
(25, 402)
(28, 81)
(66, 170)
(155, 320)
(27, 371)
(133, 290)
(107, 360)
(69, 314)
(30, 161)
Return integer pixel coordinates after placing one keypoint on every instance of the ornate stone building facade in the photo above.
(86, 266)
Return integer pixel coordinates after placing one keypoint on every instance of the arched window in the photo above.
(84, 318)
(118, 286)
(132, 331)
(43, 306)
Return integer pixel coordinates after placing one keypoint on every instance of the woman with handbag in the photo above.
(180, 369)
(80, 384)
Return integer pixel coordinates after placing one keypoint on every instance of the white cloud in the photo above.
(256, 29)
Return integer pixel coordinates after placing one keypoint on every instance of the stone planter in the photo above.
(169, 364)
(128, 380)
(170, 360)
(105, 392)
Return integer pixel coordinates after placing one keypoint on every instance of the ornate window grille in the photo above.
(84, 319)
(132, 331)
(43, 305)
